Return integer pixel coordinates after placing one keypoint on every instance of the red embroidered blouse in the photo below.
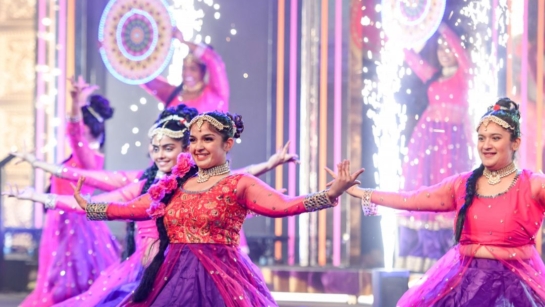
(216, 214)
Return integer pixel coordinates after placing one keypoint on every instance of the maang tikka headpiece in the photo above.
(495, 119)
(160, 130)
(199, 121)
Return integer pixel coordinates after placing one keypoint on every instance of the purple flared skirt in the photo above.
(489, 283)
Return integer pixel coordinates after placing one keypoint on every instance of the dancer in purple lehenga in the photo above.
(119, 280)
(73, 251)
(203, 265)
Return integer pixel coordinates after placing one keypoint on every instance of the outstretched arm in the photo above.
(258, 197)
(103, 180)
(440, 197)
(134, 210)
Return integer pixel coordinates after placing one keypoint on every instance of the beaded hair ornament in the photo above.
(199, 121)
(160, 130)
(94, 113)
(494, 119)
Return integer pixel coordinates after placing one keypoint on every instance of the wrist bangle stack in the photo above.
(96, 211)
(318, 201)
(366, 205)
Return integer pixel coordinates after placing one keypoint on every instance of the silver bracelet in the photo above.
(51, 201)
(367, 206)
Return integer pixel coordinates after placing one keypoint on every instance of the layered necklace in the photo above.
(494, 177)
(204, 174)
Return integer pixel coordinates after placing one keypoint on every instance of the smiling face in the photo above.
(207, 146)
(164, 152)
(192, 72)
(496, 149)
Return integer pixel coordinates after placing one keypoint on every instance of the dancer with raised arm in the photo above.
(73, 252)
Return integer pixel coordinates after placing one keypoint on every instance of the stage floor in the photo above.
(13, 300)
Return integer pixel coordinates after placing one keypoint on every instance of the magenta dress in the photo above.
(438, 148)
(215, 95)
(73, 251)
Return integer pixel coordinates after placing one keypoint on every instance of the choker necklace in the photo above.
(205, 174)
(494, 177)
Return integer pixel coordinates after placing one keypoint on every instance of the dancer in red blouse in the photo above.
(200, 210)
(499, 211)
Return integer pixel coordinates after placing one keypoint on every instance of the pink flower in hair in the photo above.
(156, 210)
(156, 192)
(183, 165)
(496, 107)
(169, 183)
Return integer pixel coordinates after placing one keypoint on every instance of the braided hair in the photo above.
(150, 173)
(508, 111)
(146, 284)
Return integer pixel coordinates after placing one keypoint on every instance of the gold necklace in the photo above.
(205, 174)
(494, 177)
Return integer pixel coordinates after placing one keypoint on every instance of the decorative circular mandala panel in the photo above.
(412, 22)
(136, 39)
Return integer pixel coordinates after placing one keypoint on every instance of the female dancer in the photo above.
(499, 211)
(199, 212)
(120, 279)
(69, 258)
(437, 149)
(194, 91)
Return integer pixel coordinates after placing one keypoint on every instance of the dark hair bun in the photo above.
(102, 106)
(239, 124)
(508, 105)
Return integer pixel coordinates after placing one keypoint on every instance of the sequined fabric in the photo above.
(213, 216)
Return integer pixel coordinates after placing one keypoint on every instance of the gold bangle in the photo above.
(96, 211)
(318, 201)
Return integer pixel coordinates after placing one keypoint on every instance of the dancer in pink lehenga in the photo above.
(121, 279)
(74, 251)
(499, 212)
(437, 149)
